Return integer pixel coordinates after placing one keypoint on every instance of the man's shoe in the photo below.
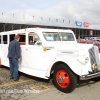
(16, 79)
(11, 77)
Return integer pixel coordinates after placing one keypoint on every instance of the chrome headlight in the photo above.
(86, 60)
(83, 59)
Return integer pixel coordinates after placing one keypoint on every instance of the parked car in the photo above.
(84, 41)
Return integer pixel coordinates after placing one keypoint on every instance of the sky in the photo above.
(51, 12)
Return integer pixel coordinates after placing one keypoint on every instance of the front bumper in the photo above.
(90, 76)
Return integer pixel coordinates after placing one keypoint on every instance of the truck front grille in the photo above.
(94, 56)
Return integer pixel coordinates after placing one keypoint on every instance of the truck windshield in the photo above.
(58, 36)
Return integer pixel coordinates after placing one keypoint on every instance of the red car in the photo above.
(97, 43)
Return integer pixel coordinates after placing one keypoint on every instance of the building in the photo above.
(79, 32)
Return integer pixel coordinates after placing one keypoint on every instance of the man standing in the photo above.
(14, 57)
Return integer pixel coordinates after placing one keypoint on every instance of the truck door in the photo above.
(35, 53)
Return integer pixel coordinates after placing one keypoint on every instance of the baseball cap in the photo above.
(17, 36)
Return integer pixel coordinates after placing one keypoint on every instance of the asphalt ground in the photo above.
(33, 88)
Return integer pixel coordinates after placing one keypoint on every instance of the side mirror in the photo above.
(39, 43)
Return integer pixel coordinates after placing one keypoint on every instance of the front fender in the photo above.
(73, 64)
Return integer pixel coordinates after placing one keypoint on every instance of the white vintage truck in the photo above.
(53, 52)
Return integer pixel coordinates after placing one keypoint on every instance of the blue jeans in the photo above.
(13, 68)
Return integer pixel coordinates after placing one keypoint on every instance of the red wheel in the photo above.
(64, 79)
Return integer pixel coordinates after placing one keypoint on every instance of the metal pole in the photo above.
(13, 18)
(4, 27)
(56, 20)
(2, 16)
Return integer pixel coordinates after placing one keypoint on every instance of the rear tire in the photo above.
(64, 79)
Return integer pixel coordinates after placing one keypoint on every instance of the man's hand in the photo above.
(19, 59)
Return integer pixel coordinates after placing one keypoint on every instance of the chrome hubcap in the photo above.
(60, 79)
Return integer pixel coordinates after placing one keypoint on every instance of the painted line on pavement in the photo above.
(2, 69)
(14, 83)
(39, 86)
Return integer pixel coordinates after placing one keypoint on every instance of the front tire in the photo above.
(64, 79)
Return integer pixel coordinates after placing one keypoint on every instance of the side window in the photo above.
(4, 39)
(22, 40)
(32, 38)
(11, 37)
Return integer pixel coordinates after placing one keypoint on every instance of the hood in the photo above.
(68, 46)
